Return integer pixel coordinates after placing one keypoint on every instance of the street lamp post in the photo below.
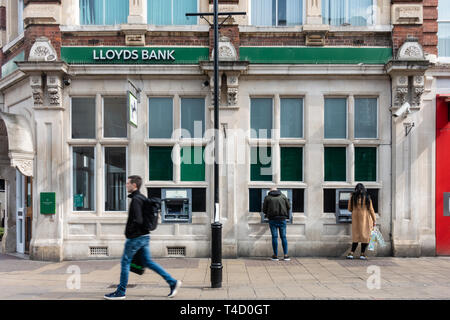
(216, 226)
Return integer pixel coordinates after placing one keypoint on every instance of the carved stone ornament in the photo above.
(400, 95)
(417, 95)
(232, 96)
(25, 166)
(54, 90)
(227, 51)
(42, 50)
(411, 50)
(36, 89)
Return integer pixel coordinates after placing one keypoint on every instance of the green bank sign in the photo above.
(134, 55)
(257, 55)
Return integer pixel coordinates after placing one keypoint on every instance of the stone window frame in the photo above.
(13, 18)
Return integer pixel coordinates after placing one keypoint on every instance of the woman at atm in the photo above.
(363, 219)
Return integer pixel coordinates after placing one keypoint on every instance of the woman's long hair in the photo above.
(361, 196)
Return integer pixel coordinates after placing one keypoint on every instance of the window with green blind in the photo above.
(291, 164)
(261, 164)
(192, 164)
(365, 164)
(335, 164)
(161, 165)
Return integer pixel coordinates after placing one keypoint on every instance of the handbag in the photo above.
(137, 264)
(376, 238)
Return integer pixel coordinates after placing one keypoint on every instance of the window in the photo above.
(329, 199)
(198, 197)
(20, 16)
(171, 12)
(160, 117)
(103, 12)
(348, 12)
(115, 117)
(193, 117)
(83, 178)
(366, 118)
(2, 185)
(335, 118)
(83, 118)
(335, 164)
(115, 178)
(256, 200)
(261, 118)
(276, 12)
(192, 164)
(160, 162)
(291, 125)
(444, 28)
(365, 164)
(261, 164)
(291, 164)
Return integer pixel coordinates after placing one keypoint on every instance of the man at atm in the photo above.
(276, 208)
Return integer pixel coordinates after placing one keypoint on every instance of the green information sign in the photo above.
(78, 201)
(48, 203)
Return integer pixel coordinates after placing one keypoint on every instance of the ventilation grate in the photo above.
(176, 251)
(98, 251)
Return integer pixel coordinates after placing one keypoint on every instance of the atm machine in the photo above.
(342, 213)
(286, 192)
(176, 205)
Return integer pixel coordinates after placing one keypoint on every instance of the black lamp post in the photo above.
(216, 226)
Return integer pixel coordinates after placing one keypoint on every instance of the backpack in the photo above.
(150, 212)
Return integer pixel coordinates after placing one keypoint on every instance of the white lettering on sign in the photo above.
(125, 54)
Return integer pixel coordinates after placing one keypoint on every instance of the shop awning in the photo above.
(20, 141)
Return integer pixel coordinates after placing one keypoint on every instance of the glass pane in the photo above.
(347, 12)
(180, 8)
(444, 39)
(159, 12)
(20, 186)
(161, 165)
(255, 200)
(360, 12)
(83, 178)
(262, 13)
(115, 117)
(261, 118)
(291, 125)
(365, 164)
(193, 117)
(261, 164)
(366, 118)
(116, 11)
(291, 164)
(115, 179)
(335, 118)
(20, 16)
(335, 164)
(83, 118)
(333, 12)
(160, 117)
(192, 164)
(444, 10)
(282, 13)
(294, 12)
(91, 12)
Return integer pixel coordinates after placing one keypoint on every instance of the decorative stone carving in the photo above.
(232, 96)
(54, 90)
(400, 95)
(25, 166)
(407, 14)
(411, 50)
(42, 50)
(227, 52)
(37, 90)
(417, 96)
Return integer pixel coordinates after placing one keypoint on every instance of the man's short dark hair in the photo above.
(136, 180)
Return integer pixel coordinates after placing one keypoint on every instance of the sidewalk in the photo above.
(244, 278)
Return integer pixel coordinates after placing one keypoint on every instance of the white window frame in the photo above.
(70, 118)
(102, 137)
(104, 176)
(276, 25)
(347, 113)
(71, 179)
(377, 117)
(374, 14)
(171, 14)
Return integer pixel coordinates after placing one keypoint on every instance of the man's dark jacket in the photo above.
(135, 220)
(276, 206)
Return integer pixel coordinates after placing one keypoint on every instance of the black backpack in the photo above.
(150, 212)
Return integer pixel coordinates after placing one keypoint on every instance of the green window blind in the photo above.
(161, 165)
(365, 164)
(291, 164)
(335, 164)
(261, 161)
(192, 164)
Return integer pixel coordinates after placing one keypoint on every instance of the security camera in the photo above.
(67, 82)
(402, 111)
(205, 84)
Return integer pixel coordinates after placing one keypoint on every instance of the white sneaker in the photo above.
(174, 289)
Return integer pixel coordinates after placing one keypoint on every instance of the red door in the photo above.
(443, 175)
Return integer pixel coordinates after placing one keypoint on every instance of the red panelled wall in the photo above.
(442, 174)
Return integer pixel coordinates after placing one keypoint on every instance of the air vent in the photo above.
(98, 251)
(176, 251)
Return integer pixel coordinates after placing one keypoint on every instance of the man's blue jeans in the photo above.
(131, 247)
(274, 226)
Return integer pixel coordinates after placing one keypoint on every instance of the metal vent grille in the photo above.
(176, 251)
(98, 251)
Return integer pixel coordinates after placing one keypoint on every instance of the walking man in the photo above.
(276, 208)
(138, 237)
